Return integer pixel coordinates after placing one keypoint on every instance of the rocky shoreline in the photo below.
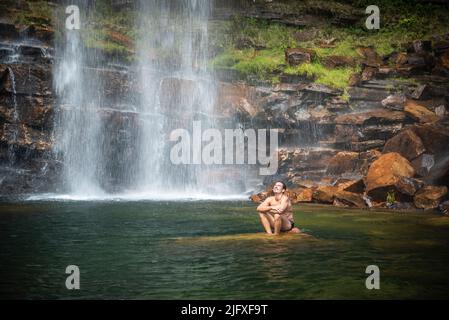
(389, 137)
(383, 143)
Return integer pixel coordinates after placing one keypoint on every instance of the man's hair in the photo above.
(284, 186)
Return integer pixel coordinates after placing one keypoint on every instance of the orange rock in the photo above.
(419, 113)
(430, 197)
(325, 194)
(385, 172)
(350, 199)
(304, 196)
(255, 198)
(354, 186)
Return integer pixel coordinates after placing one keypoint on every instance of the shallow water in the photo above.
(216, 250)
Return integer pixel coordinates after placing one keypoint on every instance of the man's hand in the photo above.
(276, 209)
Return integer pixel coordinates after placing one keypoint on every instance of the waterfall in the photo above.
(15, 118)
(102, 156)
(78, 124)
(174, 42)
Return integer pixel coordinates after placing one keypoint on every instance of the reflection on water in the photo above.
(216, 250)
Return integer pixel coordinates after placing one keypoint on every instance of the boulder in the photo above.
(350, 199)
(298, 195)
(408, 186)
(430, 197)
(357, 186)
(259, 197)
(407, 143)
(419, 113)
(325, 194)
(304, 196)
(435, 137)
(385, 172)
(423, 164)
(394, 102)
(255, 198)
(296, 56)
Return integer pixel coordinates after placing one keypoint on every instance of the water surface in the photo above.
(216, 250)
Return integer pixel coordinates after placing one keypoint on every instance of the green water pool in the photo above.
(216, 250)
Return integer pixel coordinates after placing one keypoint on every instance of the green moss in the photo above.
(345, 96)
(259, 33)
(261, 63)
(264, 64)
(336, 78)
(227, 59)
(343, 48)
(39, 13)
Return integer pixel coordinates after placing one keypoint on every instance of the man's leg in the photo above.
(281, 223)
(267, 221)
(277, 224)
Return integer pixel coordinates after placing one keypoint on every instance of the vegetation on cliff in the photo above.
(255, 47)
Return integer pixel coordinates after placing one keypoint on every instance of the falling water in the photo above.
(15, 118)
(174, 41)
(78, 124)
(174, 89)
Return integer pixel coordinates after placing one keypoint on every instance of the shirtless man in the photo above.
(276, 211)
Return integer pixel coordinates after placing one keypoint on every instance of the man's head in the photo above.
(279, 187)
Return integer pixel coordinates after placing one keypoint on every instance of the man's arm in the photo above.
(280, 209)
(265, 206)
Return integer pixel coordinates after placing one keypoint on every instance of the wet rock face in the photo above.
(28, 163)
(323, 138)
(26, 112)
